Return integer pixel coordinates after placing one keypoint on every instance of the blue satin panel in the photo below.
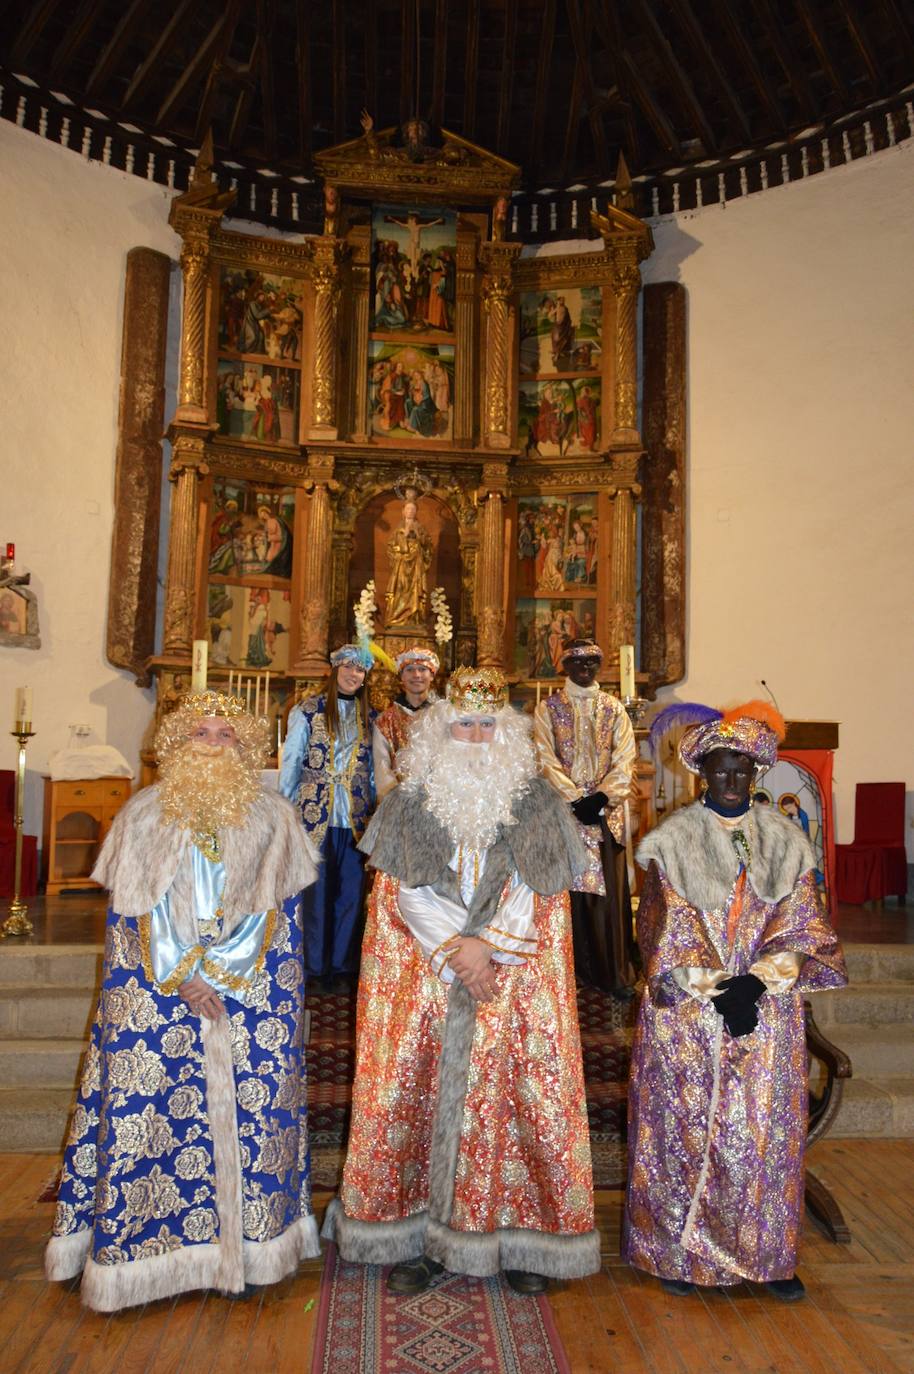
(237, 954)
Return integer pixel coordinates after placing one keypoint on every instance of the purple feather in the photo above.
(679, 713)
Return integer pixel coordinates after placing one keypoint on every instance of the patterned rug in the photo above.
(606, 1033)
(474, 1326)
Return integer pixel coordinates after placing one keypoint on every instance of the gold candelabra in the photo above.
(17, 922)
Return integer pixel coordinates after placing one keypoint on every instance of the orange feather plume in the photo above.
(758, 710)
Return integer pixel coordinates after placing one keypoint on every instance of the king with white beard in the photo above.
(469, 1148)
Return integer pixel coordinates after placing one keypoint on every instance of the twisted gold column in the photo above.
(187, 468)
(626, 285)
(497, 289)
(325, 277)
(314, 615)
(622, 570)
(195, 269)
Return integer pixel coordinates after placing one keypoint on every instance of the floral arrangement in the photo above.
(444, 625)
(365, 610)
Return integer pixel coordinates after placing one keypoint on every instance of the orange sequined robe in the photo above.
(482, 1162)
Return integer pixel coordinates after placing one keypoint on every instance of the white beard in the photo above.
(470, 789)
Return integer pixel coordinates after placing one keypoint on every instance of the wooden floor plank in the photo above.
(658, 1322)
(596, 1337)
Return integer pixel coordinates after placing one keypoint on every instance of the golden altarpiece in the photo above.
(411, 398)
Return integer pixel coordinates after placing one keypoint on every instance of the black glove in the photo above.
(587, 809)
(741, 1020)
(743, 990)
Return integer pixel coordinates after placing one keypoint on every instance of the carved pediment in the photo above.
(407, 165)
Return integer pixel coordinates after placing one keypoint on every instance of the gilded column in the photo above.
(187, 467)
(314, 615)
(622, 570)
(498, 260)
(325, 276)
(626, 285)
(490, 567)
(360, 421)
(465, 334)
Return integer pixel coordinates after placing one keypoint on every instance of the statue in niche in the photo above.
(409, 554)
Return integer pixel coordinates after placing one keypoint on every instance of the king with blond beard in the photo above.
(186, 1164)
(469, 1147)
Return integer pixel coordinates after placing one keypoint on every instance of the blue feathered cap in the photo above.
(356, 654)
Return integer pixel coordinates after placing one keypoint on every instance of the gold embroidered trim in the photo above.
(178, 974)
(518, 953)
(452, 939)
(521, 939)
(235, 981)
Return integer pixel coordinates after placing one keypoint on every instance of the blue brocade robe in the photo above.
(187, 1162)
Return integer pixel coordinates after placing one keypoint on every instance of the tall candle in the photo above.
(248, 694)
(23, 705)
(537, 693)
(198, 666)
(266, 695)
(627, 670)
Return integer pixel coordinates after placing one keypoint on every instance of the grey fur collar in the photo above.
(266, 860)
(697, 855)
(405, 840)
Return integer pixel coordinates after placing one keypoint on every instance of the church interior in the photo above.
(477, 328)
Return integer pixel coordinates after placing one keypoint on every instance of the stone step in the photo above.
(33, 1120)
(40, 1063)
(870, 963)
(877, 1107)
(864, 1004)
(46, 1013)
(877, 1051)
(68, 966)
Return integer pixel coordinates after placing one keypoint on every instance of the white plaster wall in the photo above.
(801, 481)
(66, 226)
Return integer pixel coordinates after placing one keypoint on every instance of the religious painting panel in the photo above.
(410, 390)
(260, 313)
(414, 271)
(561, 331)
(257, 402)
(559, 417)
(251, 526)
(541, 628)
(248, 626)
(556, 542)
(796, 792)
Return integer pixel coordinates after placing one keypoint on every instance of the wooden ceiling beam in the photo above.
(439, 64)
(584, 82)
(678, 77)
(266, 23)
(644, 97)
(606, 16)
(125, 30)
(30, 30)
(573, 122)
(223, 72)
(543, 67)
(409, 76)
(815, 27)
(904, 31)
(303, 72)
(77, 33)
(471, 70)
(148, 69)
(371, 57)
(506, 84)
(201, 61)
(746, 56)
(339, 71)
(862, 44)
(787, 58)
(700, 45)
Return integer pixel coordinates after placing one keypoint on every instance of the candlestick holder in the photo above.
(17, 922)
(636, 707)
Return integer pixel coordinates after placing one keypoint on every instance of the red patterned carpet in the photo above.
(606, 1028)
(474, 1326)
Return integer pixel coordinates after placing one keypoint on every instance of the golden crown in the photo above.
(477, 690)
(213, 703)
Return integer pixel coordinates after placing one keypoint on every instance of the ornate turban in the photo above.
(754, 728)
(590, 649)
(355, 654)
(418, 655)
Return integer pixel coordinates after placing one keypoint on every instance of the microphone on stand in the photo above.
(770, 693)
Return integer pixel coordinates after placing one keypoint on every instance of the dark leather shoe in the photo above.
(409, 1279)
(788, 1290)
(528, 1285)
(678, 1287)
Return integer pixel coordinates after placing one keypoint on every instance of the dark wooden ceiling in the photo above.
(558, 86)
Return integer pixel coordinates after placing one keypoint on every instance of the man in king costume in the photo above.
(586, 749)
(327, 769)
(469, 1148)
(732, 933)
(416, 668)
(187, 1162)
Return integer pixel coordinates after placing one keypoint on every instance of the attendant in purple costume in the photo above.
(732, 935)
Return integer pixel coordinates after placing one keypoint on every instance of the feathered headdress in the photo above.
(754, 728)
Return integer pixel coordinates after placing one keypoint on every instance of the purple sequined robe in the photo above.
(717, 1124)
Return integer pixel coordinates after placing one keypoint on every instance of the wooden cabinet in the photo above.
(77, 817)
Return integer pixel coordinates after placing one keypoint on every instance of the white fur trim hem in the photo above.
(394, 1242)
(271, 1260)
(65, 1256)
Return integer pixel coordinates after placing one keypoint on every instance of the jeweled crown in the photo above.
(477, 690)
(213, 703)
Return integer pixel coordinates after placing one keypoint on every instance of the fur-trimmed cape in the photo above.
(267, 859)
(696, 854)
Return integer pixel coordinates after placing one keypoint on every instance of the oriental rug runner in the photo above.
(606, 1032)
(459, 1324)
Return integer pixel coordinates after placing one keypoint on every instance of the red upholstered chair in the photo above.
(29, 884)
(875, 865)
